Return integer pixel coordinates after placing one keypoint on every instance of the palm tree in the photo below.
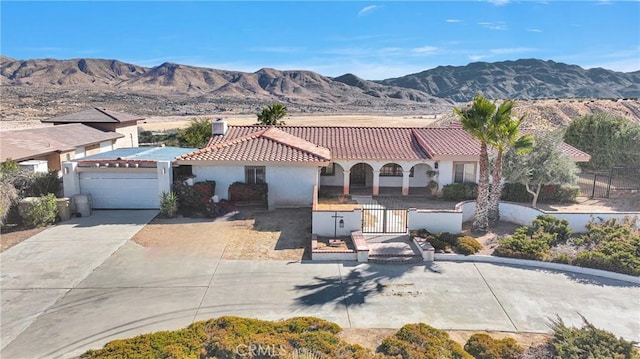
(505, 134)
(477, 121)
(272, 115)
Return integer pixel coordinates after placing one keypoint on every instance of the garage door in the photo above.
(121, 190)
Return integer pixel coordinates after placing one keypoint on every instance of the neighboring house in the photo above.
(105, 120)
(132, 178)
(55, 144)
(293, 159)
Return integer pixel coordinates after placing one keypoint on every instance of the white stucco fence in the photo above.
(435, 220)
(522, 214)
(327, 223)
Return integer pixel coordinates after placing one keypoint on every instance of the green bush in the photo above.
(460, 191)
(41, 212)
(230, 337)
(418, 341)
(559, 228)
(194, 200)
(516, 192)
(611, 245)
(168, 204)
(41, 184)
(589, 342)
(442, 241)
(468, 245)
(483, 346)
(524, 245)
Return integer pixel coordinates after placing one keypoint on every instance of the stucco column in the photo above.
(345, 181)
(405, 182)
(376, 182)
(70, 179)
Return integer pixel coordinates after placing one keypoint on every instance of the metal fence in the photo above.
(601, 184)
(377, 218)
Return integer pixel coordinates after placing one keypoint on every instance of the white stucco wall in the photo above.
(523, 215)
(288, 186)
(435, 221)
(130, 138)
(323, 223)
(445, 170)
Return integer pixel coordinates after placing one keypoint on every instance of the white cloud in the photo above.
(478, 57)
(424, 50)
(500, 25)
(534, 30)
(367, 9)
(452, 20)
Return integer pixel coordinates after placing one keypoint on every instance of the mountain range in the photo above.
(170, 88)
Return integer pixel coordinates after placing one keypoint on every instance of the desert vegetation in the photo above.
(309, 337)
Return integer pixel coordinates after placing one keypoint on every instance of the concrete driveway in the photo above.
(79, 285)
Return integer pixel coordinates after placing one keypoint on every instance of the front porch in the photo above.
(380, 178)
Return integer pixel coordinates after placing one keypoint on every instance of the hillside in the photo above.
(550, 94)
(521, 79)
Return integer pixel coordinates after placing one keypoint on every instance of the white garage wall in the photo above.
(288, 186)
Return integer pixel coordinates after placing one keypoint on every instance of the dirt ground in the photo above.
(164, 123)
(10, 238)
(372, 337)
(251, 234)
(618, 201)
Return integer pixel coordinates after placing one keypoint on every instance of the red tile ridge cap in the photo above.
(224, 144)
(287, 139)
(422, 143)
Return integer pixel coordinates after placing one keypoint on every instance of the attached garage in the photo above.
(126, 178)
(134, 188)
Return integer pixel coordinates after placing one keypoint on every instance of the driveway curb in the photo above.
(537, 264)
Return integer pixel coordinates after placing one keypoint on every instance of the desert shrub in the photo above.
(483, 346)
(168, 204)
(559, 228)
(468, 245)
(416, 341)
(194, 200)
(517, 192)
(524, 245)
(422, 233)
(588, 342)
(248, 193)
(40, 184)
(8, 197)
(610, 245)
(230, 337)
(41, 212)
(460, 191)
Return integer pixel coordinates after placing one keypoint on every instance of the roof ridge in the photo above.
(266, 134)
(224, 144)
(103, 111)
(422, 143)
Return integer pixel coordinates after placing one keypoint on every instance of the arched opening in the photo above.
(361, 175)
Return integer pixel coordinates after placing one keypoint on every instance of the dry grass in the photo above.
(164, 123)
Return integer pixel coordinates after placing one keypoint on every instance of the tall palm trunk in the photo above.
(481, 220)
(496, 189)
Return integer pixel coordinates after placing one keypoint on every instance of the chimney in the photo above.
(218, 127)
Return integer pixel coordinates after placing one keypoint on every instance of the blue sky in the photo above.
(374, 40)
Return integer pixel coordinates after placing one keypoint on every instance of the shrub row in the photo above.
(194, 200)
(611, 245)
(512, 192)
(308, 337)
(445, 241)
(516, 192)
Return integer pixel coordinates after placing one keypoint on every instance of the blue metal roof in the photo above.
(141, 153)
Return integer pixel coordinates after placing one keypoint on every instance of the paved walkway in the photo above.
(65, 291)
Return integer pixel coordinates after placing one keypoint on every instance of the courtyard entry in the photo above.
(358, 175)
(377, 218)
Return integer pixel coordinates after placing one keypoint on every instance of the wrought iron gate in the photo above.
(377, 218)
(600, 184)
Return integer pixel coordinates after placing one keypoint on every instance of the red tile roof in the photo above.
(95, 115)
(263, 143)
